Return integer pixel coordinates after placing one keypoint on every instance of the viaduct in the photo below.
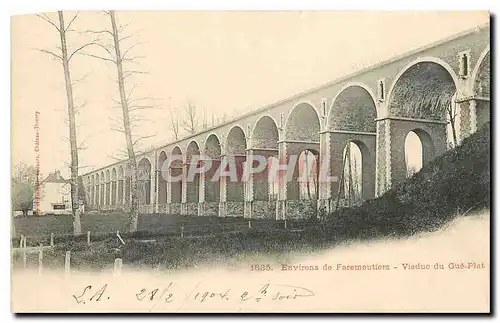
(375, 108)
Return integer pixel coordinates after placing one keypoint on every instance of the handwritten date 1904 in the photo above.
(270, 292)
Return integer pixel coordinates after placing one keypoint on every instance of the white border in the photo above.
(30, 6)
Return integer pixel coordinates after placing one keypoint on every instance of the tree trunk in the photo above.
(452, 116)
(453, 130)
(134, 210)
(75, 210)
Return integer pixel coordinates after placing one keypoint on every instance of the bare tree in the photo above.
(174, 123)
(357, 179)
(24, 181)
(452, 113)
(114, 53)
(190, 121)
(65, 60)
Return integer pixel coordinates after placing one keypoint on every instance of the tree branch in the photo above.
(104, 31)
(48, 52)
(142, 107)
(132, 59)
(141, 138)
(130, 93)
(73, 19)
(79, 49)
(124, 38)
(99, 57)
(124, 55)
(80, 79)
(117, 130)
(130, 73)
(122, 27)
(47, 19)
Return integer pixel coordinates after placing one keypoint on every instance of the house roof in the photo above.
(55, 177)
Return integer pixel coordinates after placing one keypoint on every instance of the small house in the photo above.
(54, 195)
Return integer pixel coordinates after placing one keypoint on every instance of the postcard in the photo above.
(250, 162)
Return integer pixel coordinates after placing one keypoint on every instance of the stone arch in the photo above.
(177, 151)
(364, 172)
(193, 177)
(419, 98)
(176, 178)
(298, 204)
(303, 123)
(265, 133)
(144, 181)
(481, 89)
(92, 190)
(96, 190)
(235, 148)
(212, 151)
(162, 178)
(192, 149)
(114, 186)
(427, 148)
(102, 189)
(212, 147)
(422, 90)
(480, 78)
(307, 173)
(353, 109)
(265, 137)
(121, 185)
(294, 188)
(236, 142)
(107, 187)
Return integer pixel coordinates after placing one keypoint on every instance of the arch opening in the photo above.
(144, 181)
(213, 152)
(304, 182)
(265, 137)
(102, 190)
(273, 183)
(482, 79)
(303, 124)
(236, 146)
(308, 175)
(265, 134)
(236, 143)
(176, 177)
(482, 92)
(114, 188)
(353, 109)
(96, 191)
(193, 178)
(107, 186)
(423, 91)
(162, 183)
(419, 150)
(92, 191)
(352, 176)
(121, 186)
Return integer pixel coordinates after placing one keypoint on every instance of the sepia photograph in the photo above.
(176, 161)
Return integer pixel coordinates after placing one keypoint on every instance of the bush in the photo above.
(454, 182)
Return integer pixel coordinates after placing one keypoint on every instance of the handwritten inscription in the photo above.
(89, 295)
(168, 295)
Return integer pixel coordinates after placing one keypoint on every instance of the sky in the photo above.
(223, 62)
